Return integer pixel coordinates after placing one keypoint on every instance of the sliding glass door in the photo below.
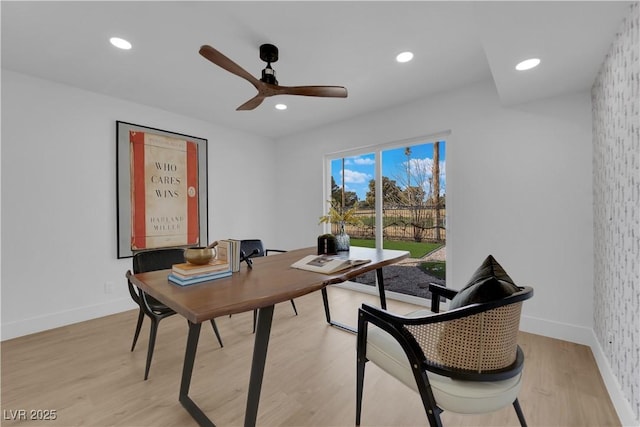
(398, 193)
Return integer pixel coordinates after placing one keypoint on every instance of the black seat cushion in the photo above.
(156, 306)
(488, 283)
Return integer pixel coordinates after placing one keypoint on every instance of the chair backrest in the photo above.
(157, 259)
(479, 338)
(252, 245)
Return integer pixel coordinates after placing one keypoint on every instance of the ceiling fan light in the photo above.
(528, 64)
(269, 75)
(404, 56)
(120, 43)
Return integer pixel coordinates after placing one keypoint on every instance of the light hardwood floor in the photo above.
(86, 373)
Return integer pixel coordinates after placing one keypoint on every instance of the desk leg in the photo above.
(325, 300)
(187, 370)
(263, 330)
(383, 298)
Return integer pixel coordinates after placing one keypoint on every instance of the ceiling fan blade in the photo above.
(222, 61)
(252, 103)
(324, 91)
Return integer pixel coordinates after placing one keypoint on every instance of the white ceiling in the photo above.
(351, 44)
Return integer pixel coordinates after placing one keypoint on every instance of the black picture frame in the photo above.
(124, 186)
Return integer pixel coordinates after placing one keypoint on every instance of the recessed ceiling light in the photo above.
(281, 107)
(120, 43)
(528, 64)
(404, 57)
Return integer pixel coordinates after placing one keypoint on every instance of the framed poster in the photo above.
(161, 189)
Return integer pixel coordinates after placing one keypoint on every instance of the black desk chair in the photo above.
(150, 261)
(253, 248)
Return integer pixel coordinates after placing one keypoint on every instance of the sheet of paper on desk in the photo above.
(327, 264)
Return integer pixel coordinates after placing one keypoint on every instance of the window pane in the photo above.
(414, 193)
(414, 183)
(351, 179)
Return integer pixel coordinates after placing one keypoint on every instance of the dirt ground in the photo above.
(405, 277)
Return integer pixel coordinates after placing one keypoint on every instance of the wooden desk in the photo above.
(272, 280)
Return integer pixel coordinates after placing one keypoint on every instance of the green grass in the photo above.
(417, 249)
(435, 268)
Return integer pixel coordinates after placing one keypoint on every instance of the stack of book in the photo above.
(188, 274)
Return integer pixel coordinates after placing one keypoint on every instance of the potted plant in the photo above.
(340, 216)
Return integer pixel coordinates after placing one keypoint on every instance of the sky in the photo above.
(359, 170)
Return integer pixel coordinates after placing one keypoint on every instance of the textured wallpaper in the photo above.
(616, 185)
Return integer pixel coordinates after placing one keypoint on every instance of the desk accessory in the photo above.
(247, 258)
(327, 244)
(199, 255)
(229, 251)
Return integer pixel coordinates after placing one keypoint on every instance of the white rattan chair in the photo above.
(465, 360)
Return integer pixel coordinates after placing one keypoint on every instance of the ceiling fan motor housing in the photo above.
(269, 54)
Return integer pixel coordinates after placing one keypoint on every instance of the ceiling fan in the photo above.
(268, 85)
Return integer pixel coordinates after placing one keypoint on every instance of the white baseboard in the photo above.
(62, 318)
(558, 330)
(622, 405)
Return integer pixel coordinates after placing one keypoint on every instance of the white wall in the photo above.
(59, 198)
(518, 187)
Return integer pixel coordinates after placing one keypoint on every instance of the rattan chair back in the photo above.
(481, 342)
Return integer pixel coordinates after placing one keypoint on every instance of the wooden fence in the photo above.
(419, 224)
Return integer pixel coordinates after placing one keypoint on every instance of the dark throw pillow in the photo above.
(489, 283)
